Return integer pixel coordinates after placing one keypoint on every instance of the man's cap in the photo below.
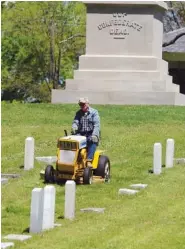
(83, 100)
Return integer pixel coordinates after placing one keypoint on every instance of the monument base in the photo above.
(119, 97)
(123, 57)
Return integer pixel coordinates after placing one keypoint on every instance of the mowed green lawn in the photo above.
(153, 219)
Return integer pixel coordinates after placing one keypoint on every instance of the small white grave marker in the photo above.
(179, 160)
(49, 207)
(96, 210)
(20, 237)
(126, 191)
(6, 245)
(157, 158)
(57, 225)
(138, 186)
(29, 153)
(36, 216)
(70, 192)
(169, 153)
(4, 180)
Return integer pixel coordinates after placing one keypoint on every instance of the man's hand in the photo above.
(74, 131)
(94, 139)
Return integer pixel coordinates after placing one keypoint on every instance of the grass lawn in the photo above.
(153, 219)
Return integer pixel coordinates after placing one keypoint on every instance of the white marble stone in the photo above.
(169, 153)
(4, 180)
(6, 245)
(157, 158)
(57, 225)
(126, 191)
(36, 214)
(70, 195)
(10, 175)
(20, 237)
(29, 153)
(96, 210)
(179, 160)
(49, 207)
(138, 186)
(46, 159)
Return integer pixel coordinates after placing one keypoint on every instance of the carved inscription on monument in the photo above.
(119, 26)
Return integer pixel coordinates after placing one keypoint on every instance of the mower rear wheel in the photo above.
(103, 168)
(87, 176)
(49, 174)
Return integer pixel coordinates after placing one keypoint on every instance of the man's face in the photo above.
(84, 106)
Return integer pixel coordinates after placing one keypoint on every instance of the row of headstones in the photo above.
(43, 200)
(157, 165)
(157, 156)
(42, 214)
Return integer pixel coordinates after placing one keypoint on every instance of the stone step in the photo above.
(139, 75)
(103, 62)
(180, 99)
(119, 97)
(121, 85)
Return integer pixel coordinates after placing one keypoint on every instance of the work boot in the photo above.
(89, 163)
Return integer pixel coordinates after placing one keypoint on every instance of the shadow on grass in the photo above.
(27, 230)
(61, 217)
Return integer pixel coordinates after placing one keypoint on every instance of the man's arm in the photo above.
(76, 121)
(96, 124)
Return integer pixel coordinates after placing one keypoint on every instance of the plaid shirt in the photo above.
(87, 123)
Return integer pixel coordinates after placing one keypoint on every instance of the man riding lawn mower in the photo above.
(77, 157)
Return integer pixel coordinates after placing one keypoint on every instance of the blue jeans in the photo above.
(91, 147)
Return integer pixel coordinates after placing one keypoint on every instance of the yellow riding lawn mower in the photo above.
(72, 164)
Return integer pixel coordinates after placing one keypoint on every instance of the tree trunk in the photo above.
(59, 64)
(52, 55)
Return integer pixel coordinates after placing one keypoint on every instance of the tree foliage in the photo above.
(40, 43)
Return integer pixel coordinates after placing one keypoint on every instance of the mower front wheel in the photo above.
(49, 174)
(87, 176)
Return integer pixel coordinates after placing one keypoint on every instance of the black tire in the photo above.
(87, 176)
(103, 168)
(49, 174)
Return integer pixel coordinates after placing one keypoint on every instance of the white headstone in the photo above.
(126, 191)
(36, 216)
(179, 160)
(6, 245)
(4, 180)
(169, 152)
(20, 237)
(49, 207)
(57, 225)
(70, 192)
(157, 158)
(96, 210)
(138, 185)
(29, 153)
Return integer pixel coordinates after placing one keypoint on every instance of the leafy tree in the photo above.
(40, 41)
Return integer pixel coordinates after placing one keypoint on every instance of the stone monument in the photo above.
(123, 60)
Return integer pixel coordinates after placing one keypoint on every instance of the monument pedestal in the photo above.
(123, 61)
